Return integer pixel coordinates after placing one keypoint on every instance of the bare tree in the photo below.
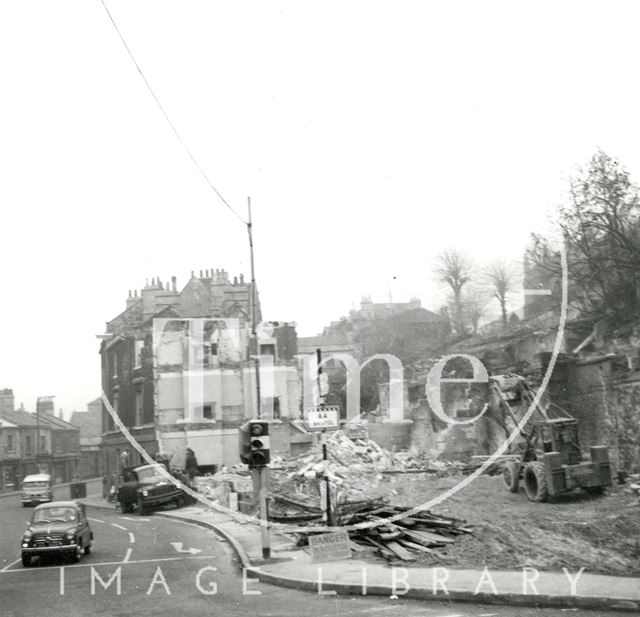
(502, 280)
(454, 269)
(474, 309)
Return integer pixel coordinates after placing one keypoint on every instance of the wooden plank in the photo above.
(420, 539)
(413, 535)
(400, 551)
(384, 551)
(393, 535)
(434, 537)
(416, 547)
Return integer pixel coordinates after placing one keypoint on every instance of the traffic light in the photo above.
(254, 443)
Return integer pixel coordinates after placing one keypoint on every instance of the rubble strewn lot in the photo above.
(601, 534)
(483, 524)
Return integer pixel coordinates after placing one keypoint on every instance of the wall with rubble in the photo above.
(623, 421)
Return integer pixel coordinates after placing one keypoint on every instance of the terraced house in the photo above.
(35, 442)
(178, 373)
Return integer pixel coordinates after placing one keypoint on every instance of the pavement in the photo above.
(291, 566)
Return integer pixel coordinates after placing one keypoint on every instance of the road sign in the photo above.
(330, 546)
(322, 417)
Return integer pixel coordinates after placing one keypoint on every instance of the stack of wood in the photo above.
(420, 533)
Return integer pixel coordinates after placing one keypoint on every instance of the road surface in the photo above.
(156, 566)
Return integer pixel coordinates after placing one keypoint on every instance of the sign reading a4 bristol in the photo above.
(322, 417)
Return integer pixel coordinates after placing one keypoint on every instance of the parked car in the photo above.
(59, 527)
(36, 488)
(144, 488)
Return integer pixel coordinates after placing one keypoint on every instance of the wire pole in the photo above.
(254, 302)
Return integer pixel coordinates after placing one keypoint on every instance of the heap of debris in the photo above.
(422, 532)
(353, 468)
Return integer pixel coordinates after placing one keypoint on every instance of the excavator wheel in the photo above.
(511, 476)
(535, 481)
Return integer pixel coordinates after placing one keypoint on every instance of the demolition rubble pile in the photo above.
(358, 470)
(406, 538)
(353, 469)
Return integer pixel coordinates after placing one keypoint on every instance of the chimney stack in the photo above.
(173, 283)
(242, 279)
(235, 280)
(200, 273)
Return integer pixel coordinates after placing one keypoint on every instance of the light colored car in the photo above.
(59, 527)
(36, 488)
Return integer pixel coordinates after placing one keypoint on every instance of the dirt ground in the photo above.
(601, 534)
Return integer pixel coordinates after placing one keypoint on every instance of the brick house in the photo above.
(146, 379)
(36, 442)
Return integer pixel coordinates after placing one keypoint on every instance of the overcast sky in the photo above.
(369, 135)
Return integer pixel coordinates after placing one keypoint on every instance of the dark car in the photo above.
(57, 528)
(146, 487)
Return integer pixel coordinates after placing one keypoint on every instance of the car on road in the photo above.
(57, 528)
(36, 488)
(146, 487)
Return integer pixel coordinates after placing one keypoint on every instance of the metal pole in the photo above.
(254, 301)
(261, 475)
(323, 438)
(264, 513)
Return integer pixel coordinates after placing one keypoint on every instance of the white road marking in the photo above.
(119, 526)
(487, 615)
(128, 555)
(178, 547)
(142, 520)
(95, 520)
(132, 538)
(107, 563)
(13, 563)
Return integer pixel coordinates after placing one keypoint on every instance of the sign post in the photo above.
(320, 419)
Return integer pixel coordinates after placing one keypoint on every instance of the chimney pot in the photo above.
(200, 273)
(192, 274)
(173, 283)
(242, 279)
(235, 280)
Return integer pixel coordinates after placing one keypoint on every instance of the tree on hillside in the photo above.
(454, 269)
(600, 223)
(502, 280)
(474, 309)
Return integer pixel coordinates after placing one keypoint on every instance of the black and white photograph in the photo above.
(320, 308)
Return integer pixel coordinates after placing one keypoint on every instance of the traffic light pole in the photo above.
(260, 475)
(264, 512)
